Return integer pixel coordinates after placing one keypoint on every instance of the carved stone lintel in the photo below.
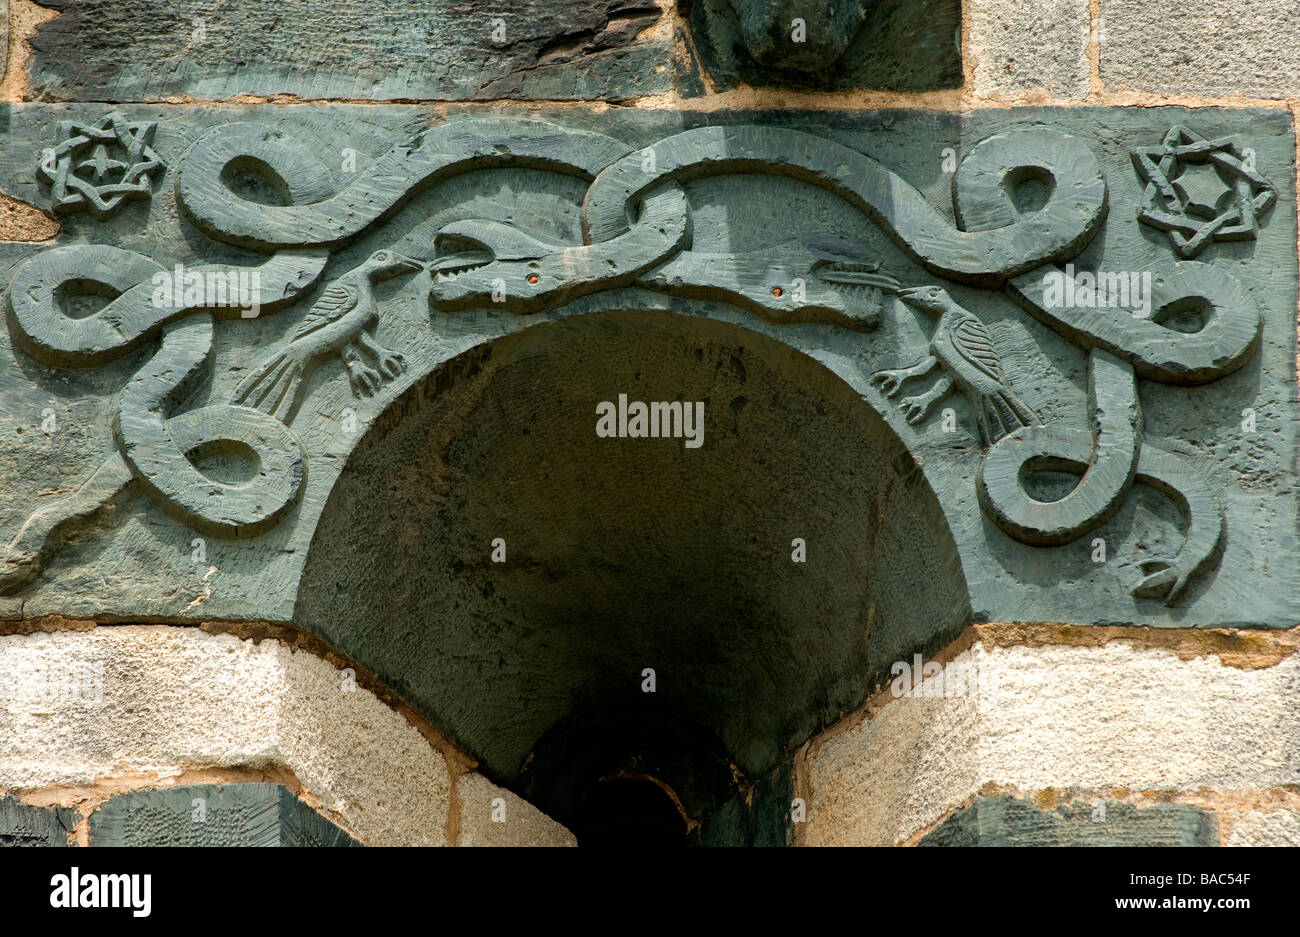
(639, 230)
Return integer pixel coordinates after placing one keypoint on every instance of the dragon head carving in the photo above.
(480, 262)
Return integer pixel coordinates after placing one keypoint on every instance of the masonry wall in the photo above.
(1072, 734)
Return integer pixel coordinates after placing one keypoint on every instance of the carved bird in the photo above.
(962, 347)
(336, 323)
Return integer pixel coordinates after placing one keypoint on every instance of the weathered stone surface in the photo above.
(788, 35)
(132, 700)
(493, 816)
(213, 815)
(403, 425)
(1265, 828)
(1007, 821)
(1209, 47)
(897, 45)
(1065, 718)
(23, 825)
(1039, 47)
(349, 49)
(4, 37)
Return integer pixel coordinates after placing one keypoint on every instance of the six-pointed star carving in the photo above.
(98, 166)
(1201, 190)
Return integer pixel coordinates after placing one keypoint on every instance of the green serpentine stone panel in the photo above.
(21, 825)
(1007, 821)
(915, 413)
(536, 49)
(213, 815)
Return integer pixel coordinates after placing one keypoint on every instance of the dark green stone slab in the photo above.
(22, 825)
(903, 45)
(213, 815)
(349, 49)
(1008, 821)
(628, 554)
(1008, 580)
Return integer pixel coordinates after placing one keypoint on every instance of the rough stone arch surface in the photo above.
(620, 557)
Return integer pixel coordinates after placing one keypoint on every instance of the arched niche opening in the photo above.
(632, 564)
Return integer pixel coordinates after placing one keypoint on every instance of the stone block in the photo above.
(24, 825)
(893, 45)
(1211, 48)
(349, 49)
(1030, 48)
(159, 700)
(1088, 718)
(763, 818)
(1264, 828)
(493, 816)
(213, 815)
(1007, 821)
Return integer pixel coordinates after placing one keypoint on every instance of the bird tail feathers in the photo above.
(1004, 413)
(272, 387)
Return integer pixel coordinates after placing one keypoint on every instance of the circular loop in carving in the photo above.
(241, 509)
(1107, 458)
(52, 337)
(1076, 205)
(1002, 494)
(202, 182)
(159, 447)
(1224, 341)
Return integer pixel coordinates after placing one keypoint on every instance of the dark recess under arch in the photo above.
(627, 554)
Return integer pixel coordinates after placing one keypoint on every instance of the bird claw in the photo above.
(915, 408)
(392, 363)
(888, 381)
(365, 381)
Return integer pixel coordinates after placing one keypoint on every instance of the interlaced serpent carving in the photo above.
(154, 441)
(636, 224)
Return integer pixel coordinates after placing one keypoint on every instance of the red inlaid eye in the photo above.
(778, 292)
(533, 278)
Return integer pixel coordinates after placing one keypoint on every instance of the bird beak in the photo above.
(909, 295)
(405, 264)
